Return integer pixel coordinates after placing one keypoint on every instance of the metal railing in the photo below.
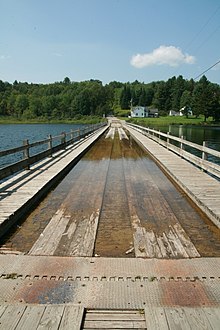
(195, 153)
(53, 144)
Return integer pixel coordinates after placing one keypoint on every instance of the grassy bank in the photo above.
(165, 121)
(82, 120)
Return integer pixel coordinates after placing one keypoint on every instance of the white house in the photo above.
(139, 112)
(181, 112)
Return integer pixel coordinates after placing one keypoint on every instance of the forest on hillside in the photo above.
(72, 100)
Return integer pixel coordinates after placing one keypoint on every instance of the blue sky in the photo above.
(44, 41)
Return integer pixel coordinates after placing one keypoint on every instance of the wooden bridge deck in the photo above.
(65, 317)
(203, 189)
(41, 291)
(23, 190)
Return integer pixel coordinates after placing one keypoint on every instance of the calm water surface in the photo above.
(12, 135)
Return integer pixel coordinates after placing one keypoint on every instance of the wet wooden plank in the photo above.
(50, 238)
(155, 318)
(176, 244)
(72, 318)
(84, 238)
(188, 245)
(111, 133)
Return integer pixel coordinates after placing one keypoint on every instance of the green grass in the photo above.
(169, 120)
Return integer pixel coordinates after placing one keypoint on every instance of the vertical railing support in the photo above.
(168, 139)
(181, 146)
(50, 144)
(72, 135)
(26, 153)
(63, 139)
(204, 154)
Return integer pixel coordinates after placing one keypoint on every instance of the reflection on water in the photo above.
(124, 183)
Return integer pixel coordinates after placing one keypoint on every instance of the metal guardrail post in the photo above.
(26, 153)
(50, 144)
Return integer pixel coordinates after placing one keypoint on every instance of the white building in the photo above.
(139, 112)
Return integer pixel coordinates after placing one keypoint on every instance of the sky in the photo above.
(43, 41)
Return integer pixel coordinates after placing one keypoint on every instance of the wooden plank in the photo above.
(114, 325)
(198, 319)
(31, 317)
(50, 238)
(155, 318)
(213, 315)
(114, 316)
(11, 316)
(153, 249)
(84, 240)
(2, 309)
(177, 319)
(51, 317)
(72, 318)
(176, 244)
(188, 245)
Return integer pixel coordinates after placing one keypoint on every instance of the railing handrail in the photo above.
(28, 160)
(201, 162)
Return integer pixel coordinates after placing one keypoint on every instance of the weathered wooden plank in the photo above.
(198, 319)
(51, 317)
(122, 134)
(2, 310)
(213, 315)
(72, 318)
(155, 318)
(111, 133)
(11, 316)
(188, 245)
(84, 239)
(177, 319)
(112, 315)
(49, 239)
(114, 325)
(153, 249)
(31, 317)
(176, 244)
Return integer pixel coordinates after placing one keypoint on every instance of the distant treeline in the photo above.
(68, 100)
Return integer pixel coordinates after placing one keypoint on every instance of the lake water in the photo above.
(12, 135)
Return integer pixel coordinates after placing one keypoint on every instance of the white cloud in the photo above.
(168, 55)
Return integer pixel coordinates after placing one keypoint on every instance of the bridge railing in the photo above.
(26, 155)
(199, 155)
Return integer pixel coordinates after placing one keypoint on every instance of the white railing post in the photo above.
(204, 154)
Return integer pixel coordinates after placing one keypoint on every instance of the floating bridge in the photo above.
(133, 244)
